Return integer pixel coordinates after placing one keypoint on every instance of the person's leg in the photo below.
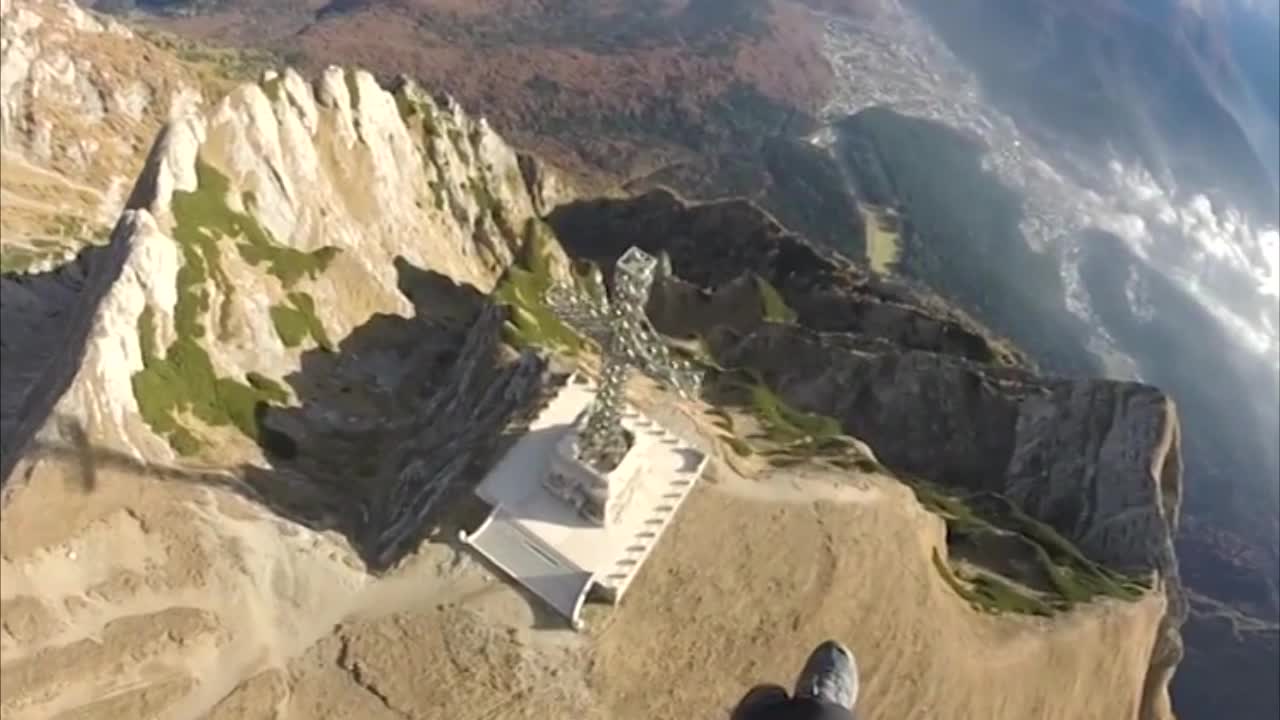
(830, 675)
(758, 701)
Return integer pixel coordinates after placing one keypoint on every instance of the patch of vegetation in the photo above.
(775, 309)
(1073, 577)
(297, 321)
(307, 306)
(990, 593)
(1077, 578)
(203, 215)
(289, 265)
(290, 324)
(273, 88)
(16, 260)
(353, 87)
(429, 125)
(183, 382)
(147, 333)
(783, 423)
(523, 288)
(416, 112)
(273, 390)
(790, 436)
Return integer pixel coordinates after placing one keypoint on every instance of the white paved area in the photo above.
(544, 544)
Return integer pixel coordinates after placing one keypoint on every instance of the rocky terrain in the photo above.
(239, 438)
(83, 98)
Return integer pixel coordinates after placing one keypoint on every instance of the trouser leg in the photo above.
(758, 702)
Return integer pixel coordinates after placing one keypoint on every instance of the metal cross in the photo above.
(627, 341)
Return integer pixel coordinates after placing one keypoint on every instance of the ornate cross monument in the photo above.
(582, 499)
(590, 469)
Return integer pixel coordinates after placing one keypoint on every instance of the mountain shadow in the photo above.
(392, 429)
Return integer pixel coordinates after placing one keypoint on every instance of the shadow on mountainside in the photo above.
(388, 433)
(400, 422)
(46, 319)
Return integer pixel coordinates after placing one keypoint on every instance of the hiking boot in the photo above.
(830, 675)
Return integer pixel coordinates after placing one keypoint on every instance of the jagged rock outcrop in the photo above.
(284, 190)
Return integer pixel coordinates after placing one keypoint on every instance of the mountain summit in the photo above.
(240, 435)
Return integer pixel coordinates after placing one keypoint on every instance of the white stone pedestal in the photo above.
(544, 542)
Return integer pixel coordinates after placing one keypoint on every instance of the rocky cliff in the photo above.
(935, 395)
(239, 439)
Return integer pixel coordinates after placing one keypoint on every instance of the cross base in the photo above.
(597, 496)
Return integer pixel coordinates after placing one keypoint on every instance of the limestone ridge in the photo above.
(936, 396)
(258, 229)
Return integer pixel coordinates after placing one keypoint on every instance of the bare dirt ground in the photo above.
(158, 595)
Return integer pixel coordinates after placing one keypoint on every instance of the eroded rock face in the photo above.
(711, 244)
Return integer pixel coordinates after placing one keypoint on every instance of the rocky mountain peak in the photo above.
(319, 318)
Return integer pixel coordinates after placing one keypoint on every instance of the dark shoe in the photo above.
(830, 675)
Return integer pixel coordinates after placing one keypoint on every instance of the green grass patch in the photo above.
(272, 390)
(1073, 577)
(523, 289)
(787, 425)
(413, 108)
(489, 204)
(147, 335)
(203, 216)
(274, 88)
(184, 382)
(289, 265)
(788, 437)
(989, 593)
(297, 321)
(774, 308)
(14, 260)
(290, 324)
(307, 306)
(353, 87)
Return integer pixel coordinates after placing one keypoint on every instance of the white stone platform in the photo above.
(542, 542)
